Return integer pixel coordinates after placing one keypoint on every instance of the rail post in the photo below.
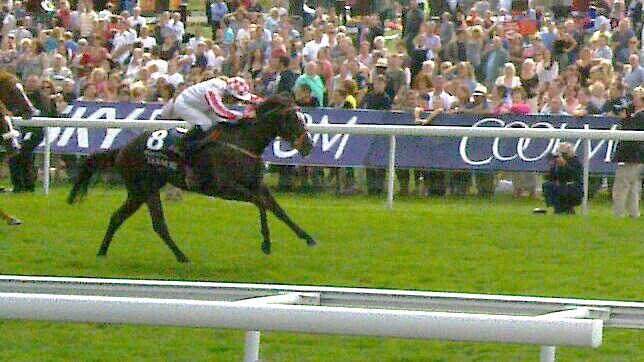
(391, 172)
(47, 162)
(584, 206)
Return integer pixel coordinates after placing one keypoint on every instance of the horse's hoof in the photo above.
(266, 248)
(183, 259)
(14, 221)
(311, 242)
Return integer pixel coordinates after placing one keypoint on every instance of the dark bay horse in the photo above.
(13, 102)
(230, 168)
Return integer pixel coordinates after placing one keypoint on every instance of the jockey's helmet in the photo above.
(239, 88)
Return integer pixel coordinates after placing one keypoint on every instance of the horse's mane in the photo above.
(273, 102)
(269, 105)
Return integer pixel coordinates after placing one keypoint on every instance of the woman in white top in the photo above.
(508, 80)
(547, 70)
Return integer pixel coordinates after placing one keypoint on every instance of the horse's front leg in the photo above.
(272, 205)
(158, 223)
(240, 193)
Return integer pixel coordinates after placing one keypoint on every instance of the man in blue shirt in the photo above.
(218, 9)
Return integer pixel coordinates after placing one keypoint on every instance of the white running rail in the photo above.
(547, 322)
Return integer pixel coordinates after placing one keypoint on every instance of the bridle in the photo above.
(11, 133)
(284, 113)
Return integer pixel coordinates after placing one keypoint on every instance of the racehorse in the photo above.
(230, 168)
(13, 101)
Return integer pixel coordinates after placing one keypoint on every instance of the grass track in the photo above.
(468, 245)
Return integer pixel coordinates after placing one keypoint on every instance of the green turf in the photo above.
(466, 245)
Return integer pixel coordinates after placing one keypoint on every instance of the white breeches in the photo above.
(194, 115)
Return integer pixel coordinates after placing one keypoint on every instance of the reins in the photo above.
(240, 149)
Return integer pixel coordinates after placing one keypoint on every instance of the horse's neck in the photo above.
(252, 137)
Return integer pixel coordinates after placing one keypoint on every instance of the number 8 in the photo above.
(156, 140)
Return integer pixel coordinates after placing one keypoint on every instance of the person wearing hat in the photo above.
(479, 103)
(380, 67)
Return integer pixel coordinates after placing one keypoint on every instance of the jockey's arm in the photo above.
(216, 104)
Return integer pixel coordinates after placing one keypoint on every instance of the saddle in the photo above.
(162, 150)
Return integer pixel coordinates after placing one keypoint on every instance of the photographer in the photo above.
(50, 104)
(563, 189)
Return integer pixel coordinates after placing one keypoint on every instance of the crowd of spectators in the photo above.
(458, 57)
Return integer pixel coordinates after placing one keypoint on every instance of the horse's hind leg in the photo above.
(118, 218)
(160, 227)
(271, 204)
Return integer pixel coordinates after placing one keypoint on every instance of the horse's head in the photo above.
(13, 97)
(13, 101)
(289, 123)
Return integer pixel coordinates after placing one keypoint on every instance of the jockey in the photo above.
(202, 106)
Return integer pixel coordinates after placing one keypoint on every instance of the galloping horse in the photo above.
(13, 101)
(230, 168)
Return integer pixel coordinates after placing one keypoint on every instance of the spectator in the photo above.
(635, 77)
(563, 45)
(41, 95)
(178, 29)
(138, 94)
(304, 96)
(629, 157)
(597, 98)
(508, 81)
(603, 50)
(33, 62)
(287, 78)
(412, 21)
(58, 71)
(494, 58)
(479, 103)
(456, 50)
(376, 98)
(396, 76)
(313, 80)
(90, 94)
(563, 188)
(148, 42)
(447, 100)
(68, 89)
(547, 69)
(136, 20)
(169, 47)
(474, 46)
(87, 19)
(310, 51)
(554, 106)
(21, 32)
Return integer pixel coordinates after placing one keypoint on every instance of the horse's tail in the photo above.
(94, 163)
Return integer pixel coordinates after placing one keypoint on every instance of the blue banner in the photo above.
(335, 150)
